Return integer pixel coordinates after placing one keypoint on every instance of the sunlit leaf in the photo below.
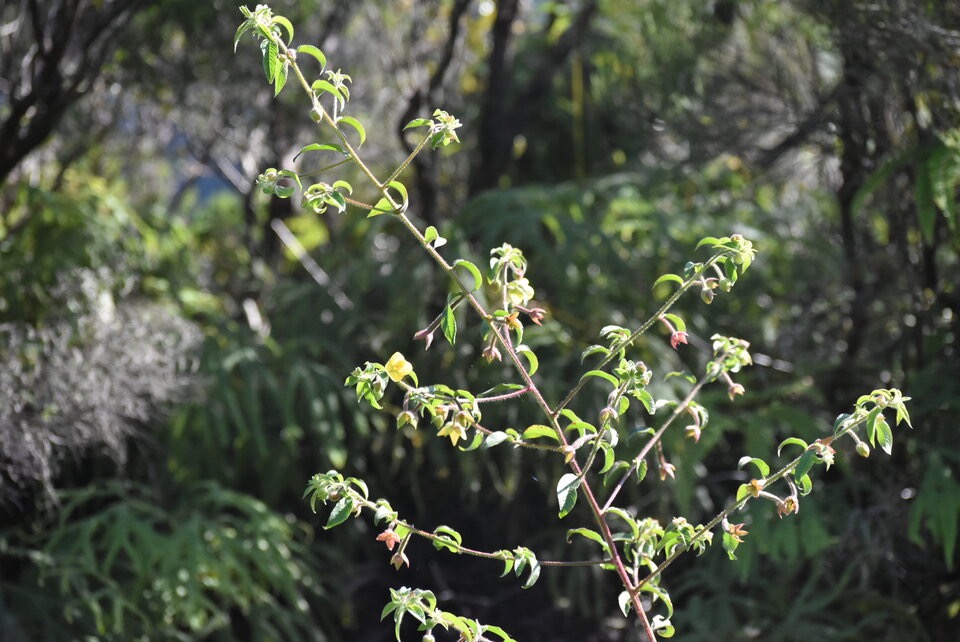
(310, 50)
(567, 493)
(355, 124)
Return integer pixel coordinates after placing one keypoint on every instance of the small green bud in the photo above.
(862, 449)
(706, 295)
(315, 116)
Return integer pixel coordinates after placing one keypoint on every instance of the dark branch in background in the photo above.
(59, 55)
(424, 99)
(501, 121)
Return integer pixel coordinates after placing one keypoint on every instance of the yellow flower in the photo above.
(454, 431)
(398, 367)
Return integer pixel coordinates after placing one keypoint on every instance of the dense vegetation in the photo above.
(173, 363)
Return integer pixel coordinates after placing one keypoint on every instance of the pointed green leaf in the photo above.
(676, 321)
(417, 122)
(269, 51)
(318, 147)
(283, 22)
(538, 430)
(473, 270)
(761, 465)
(353, 122)
(589, 534)
(280, 80)
(448, 324)
(244, 27)
(807, 459)
(884, 435)
(400, 187)
(341, 511)
(533, 363)
(789, 441)
(602, 375)
(322, 86)
(668, 277)
(310, 50)
(567, 493)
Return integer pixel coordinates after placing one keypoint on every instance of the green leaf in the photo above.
(244, 27)
(538, 430)
(625, 603)
(872, 425)
(322, 86)
(668, 277)
(594, 349)
(341, 511)
(708, 240)
(310, 50)
(417, 122)
(450, 541)
(792, 441)
(761, 465)
(641, 472)
(627, 518)
(400, 187)
(430, 234)
(609, 458)
(567, 493)
(730, 545)
(353, 122)
(676, 321)
(745, 490)
(473, 270)
(884, 435)
(602, 375)
(838, 422)
(589, 534)
(902, 414)
(660, 593)
(807, 459)
(269, 50)
(806, 485)
(318, 147)
(448, 324)
(383, 206)
(280, 80)
(283, 22)
(533, 363)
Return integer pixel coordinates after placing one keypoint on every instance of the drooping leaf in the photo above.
(473, 270)
(355, 124)
(310, 50)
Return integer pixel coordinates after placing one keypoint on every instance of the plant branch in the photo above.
(686, 285)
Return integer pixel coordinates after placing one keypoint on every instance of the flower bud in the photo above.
(406, 418)
(608, 415)
(862, 449)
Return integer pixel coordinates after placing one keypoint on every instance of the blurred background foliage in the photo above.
(172, 374)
